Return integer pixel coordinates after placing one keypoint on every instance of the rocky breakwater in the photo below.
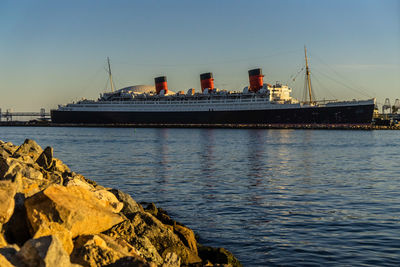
(52, 216)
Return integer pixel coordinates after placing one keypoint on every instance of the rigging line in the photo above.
(90, 80)
(293, 77)
(343, 77)
(320, 85)
(106, 85)
(300, 68)
(304, 99)
(345, 85)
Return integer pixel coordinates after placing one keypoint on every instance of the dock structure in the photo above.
(8, 115)
(367, 126)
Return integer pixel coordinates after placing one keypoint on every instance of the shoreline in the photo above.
(216, 126)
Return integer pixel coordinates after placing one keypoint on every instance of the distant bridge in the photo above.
(8, 115)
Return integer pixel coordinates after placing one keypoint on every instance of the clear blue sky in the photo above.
(53, 52)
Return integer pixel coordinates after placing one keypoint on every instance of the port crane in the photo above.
(396, 106)
(386, 106)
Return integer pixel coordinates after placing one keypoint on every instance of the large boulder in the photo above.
(187, 236)
(9, 148)
(58, 166)
(29, 175)
(78, 180)
(29, 148)
(57, 230)
(102, 250)
(108, 200)
(45, 251)
(45, 159)
(11, 167)
(125, 231)
(163, 238)
(75, 208)
(171, 260)
(5, 150)
(7, 204)
(130, 205)
(218, 256)
(7, 193)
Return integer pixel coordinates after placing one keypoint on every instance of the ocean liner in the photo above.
(259, 103)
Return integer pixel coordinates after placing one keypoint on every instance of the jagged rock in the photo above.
(8, 147)
(78, 181)
(45, 159)
(16, 230)
(162, 238)
(171, 260)
(75, 208)
(29, 148)
(59, 166)
(101, 250)
(30, 179)
(55, 229)
(9, 252)
(3, 241)
(88, 181)
(187, 237)
(109, 200)
(7, 193)
(4, 152)
(44, 251)
(152, 209)
(147, 249)
(4, 262)
(130, 262)
(130, 205)
(126, 231)
(160, 214)
(185, 234)
(10, 168)
(218, 256)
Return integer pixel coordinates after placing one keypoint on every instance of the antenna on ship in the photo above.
(308, 84)
(110, 75)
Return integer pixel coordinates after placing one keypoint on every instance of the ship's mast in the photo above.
(110, 75)
(308, 75)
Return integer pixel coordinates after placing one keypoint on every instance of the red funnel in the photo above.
(256, 79)
(161, 84)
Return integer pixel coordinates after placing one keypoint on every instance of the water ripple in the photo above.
(272, 197)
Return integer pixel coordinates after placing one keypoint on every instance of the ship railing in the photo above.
(180, 101)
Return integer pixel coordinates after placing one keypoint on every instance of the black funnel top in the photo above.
(205, 76)
(160, 79)
(254, 72)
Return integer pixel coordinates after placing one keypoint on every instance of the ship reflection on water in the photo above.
(207, 162)
(161, 154)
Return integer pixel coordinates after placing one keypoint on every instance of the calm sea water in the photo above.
(272, 197)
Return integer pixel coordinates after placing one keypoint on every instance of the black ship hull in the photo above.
(351, 114)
